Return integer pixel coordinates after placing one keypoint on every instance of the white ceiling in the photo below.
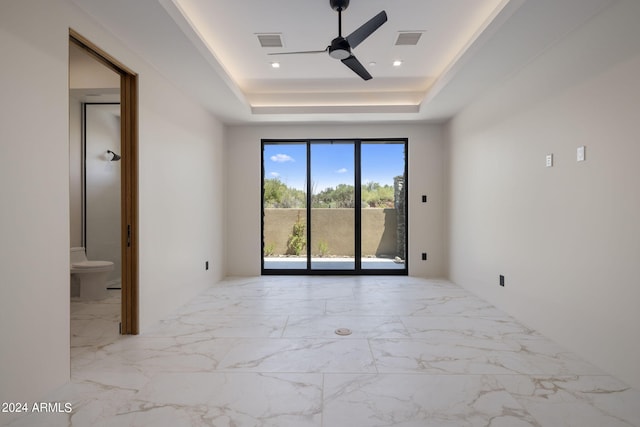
(318, 80)
(209, 48)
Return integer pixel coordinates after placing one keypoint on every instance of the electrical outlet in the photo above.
(549, 160)
(424, 199)
(206, 265)
(502, 280)
(424, 256)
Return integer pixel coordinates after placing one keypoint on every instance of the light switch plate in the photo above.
(580, 155)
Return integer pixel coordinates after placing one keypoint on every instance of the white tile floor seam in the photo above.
(262, 351)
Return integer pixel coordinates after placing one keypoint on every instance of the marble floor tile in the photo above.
(193, 400)
(454, 355)
(589, 401)
(203, 324)
(136, 359)
(413, 303)
(212, 305)
(310, 292)
(361, 327)
(262, 351)
(299, 355)
(376, 307)
(433, 328)
(461, 305)
(240, 399)
(420, 401)
(94, 323)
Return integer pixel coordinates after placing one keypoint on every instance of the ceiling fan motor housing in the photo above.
(339, 5)
(339, 48)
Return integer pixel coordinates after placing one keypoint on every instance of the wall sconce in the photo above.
(114, 157)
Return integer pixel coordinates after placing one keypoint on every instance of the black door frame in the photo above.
(357, 270)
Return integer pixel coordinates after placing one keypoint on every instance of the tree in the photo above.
(343, 196)
(278, 195)
(273, 191)
(374, 195)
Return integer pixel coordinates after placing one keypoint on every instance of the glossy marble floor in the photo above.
(263, 352)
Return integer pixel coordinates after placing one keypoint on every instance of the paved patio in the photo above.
(317, 263)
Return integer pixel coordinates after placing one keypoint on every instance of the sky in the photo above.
(332, 164)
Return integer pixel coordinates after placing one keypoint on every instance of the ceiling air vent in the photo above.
(270, 40)
(408, 38)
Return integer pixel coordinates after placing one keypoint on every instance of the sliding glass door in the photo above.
(284, 206)
(333, 219)
(383, 208)
(334, 206)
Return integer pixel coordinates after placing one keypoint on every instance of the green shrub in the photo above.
(297, 239)
(323, 247)
(268, 249)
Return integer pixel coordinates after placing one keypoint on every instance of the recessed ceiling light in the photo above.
(275, 65)
(372, 64)
(397, 63)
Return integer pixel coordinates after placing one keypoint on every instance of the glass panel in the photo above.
(332, 212)
(383, 205)
(285, 218)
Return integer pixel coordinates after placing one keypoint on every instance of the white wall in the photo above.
(75, 170)
(34, 189)
(181, 167)
(426, 221)
(182, 192)
(567, 238)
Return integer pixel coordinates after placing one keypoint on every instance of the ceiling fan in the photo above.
(340, 47)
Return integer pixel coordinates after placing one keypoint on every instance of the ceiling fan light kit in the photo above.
(340, 47)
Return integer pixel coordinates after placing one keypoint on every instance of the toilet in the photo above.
(88, 278)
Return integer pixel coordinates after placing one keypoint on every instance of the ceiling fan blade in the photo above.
(366, 29)
(300, 52)
(355, 65)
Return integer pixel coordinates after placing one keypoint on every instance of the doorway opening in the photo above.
(127, 154)
(334, 206)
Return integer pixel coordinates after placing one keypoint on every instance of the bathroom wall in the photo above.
(89, 81)
(102, 186)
